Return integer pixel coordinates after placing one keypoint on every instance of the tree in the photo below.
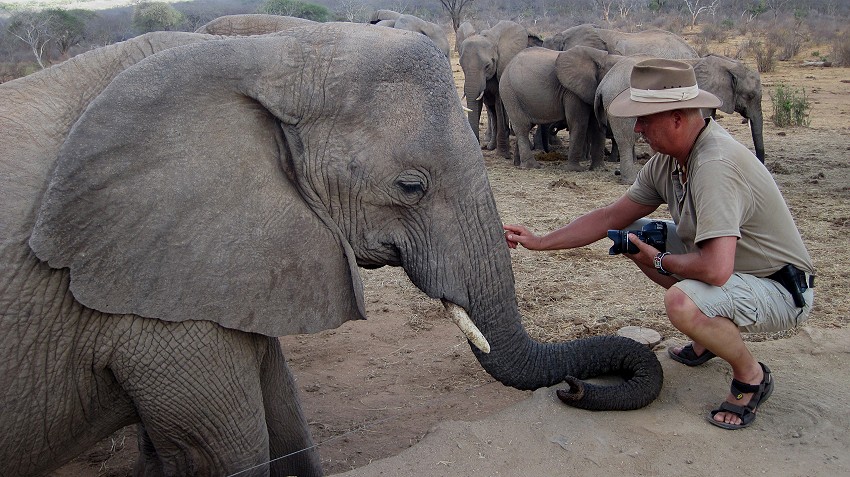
(696, 9)
(32, 28)
(156, 16)
(68, 27)
(296, 8)
(455, 10)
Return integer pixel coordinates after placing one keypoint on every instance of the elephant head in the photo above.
(464, 31)
(240, 183)
(392, 19)
(251, 24)
(483, 58)
(739, 87)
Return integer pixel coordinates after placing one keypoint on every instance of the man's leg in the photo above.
(722, 337)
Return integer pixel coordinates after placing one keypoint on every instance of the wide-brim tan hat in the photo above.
(658, 85)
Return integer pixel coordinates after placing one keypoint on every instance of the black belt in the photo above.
(795, 281)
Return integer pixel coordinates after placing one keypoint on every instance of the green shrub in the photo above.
(156, 16)
(790, 106)
(296, 8)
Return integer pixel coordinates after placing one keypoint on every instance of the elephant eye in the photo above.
(413, 185)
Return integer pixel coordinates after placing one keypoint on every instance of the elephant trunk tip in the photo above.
(574, 391)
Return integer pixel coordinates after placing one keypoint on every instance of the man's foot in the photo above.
(687, 356)
(733, 413)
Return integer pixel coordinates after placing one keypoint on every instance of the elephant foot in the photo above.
(572, 166)
(487, 146)
(530, 164)
(504, 153)
(597, 164)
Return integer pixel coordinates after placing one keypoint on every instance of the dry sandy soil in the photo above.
(405, 381)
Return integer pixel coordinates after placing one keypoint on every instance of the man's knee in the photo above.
(681, 310)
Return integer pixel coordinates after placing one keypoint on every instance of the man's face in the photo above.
(657, 130)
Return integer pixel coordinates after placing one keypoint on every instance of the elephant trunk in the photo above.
(756, 128)
(517, 360)
(474, 92)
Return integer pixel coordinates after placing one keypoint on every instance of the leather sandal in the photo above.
(688, 357)
(747, 413)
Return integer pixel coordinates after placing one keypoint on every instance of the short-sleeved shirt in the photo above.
(728, 193)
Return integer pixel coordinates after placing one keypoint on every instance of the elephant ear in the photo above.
(510, 38)
(580, 69)
(174, 198)
(715, 76)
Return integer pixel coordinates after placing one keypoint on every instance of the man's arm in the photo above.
(584, 230)
(713, 263)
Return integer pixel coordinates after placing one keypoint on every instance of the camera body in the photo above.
(653, 233)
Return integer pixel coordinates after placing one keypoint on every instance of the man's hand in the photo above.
(646, 253)
(517, 234)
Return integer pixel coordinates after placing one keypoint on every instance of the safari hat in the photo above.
(658, 85)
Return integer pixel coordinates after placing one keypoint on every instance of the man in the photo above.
(734, 226)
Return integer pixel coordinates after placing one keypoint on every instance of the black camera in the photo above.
(653, 233)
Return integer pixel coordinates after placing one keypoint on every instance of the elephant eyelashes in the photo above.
(413, 186)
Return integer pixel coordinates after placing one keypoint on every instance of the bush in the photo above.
(296, 8)
(765, 56)
(840, 53)
(790, 107)
(156, 16)
(789, 43)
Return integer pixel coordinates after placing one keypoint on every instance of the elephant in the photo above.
(391, 19)
(737, 85)
(251, 24)
(543, 86)
(483, 58)
(653, 42)
(172, 204)
(464, 31)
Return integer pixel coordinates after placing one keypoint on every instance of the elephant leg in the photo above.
(288, 430)
(198, 392)
(148, 463)
(596, 143)
(502, 130)
(523, 155)
(489, 142)
(577, 121)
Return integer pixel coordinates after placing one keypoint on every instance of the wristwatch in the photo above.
(658, 265)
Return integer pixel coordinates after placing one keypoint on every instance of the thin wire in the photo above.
(358, 429)
(361, 428)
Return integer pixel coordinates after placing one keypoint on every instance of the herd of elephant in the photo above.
(566, 80)
(173, 203)
(571, 78)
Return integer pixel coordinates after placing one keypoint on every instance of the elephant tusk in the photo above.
(461, 319)
(480, 96)
(465, 109)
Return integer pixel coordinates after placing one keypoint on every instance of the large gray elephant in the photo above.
(173, 203)
(736, 84)
(251, 24)
(653, 42)
(392, 19)
(543, 86)
(483, 58)
(464, 31)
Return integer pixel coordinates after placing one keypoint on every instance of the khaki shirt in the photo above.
(728, 193)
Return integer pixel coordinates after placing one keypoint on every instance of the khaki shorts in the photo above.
(754, 304)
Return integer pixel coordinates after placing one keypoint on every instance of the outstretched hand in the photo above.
(519, 235)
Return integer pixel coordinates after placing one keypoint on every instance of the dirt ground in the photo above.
(374, 389)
